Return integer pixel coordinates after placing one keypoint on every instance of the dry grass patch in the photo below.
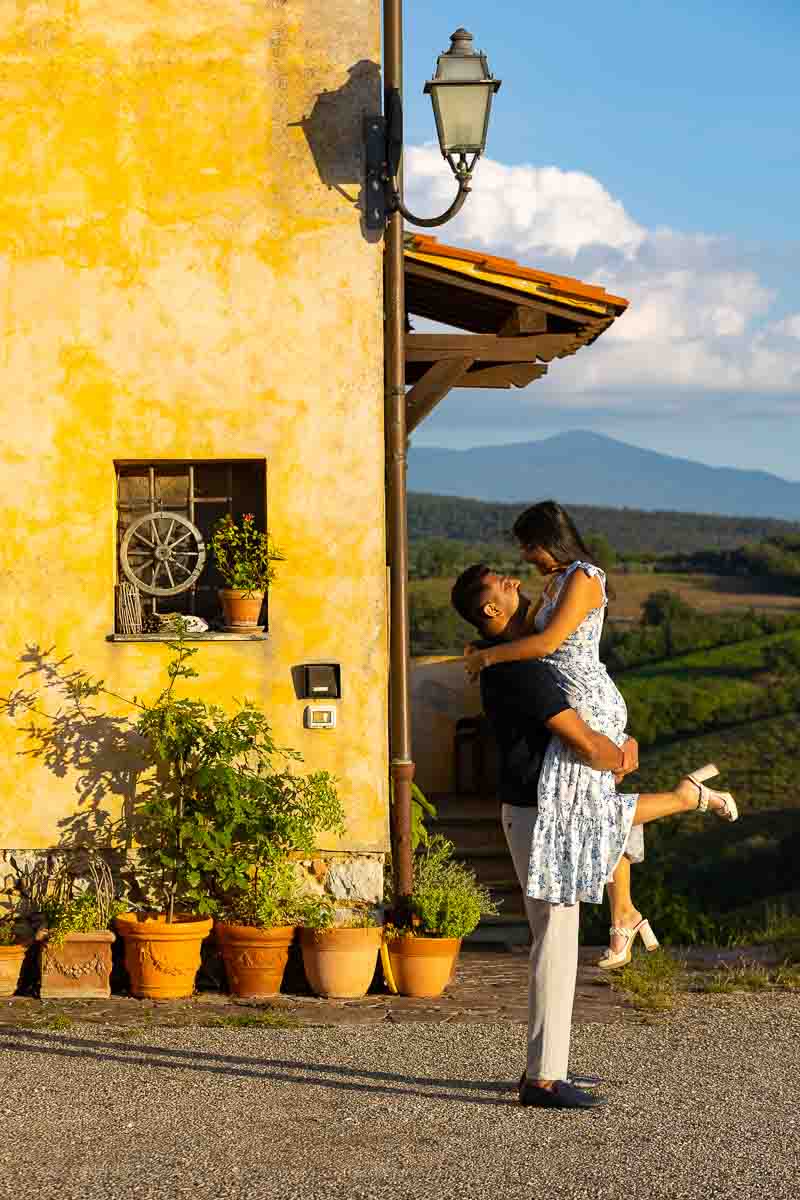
(751, 977)
(250, 1020)
(652, 982)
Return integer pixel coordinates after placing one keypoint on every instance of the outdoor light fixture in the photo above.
(461, 92)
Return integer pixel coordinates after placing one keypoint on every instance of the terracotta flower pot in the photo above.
(340, 963)
(80, 968)
(241, 610)
(422, 966)
(11, 958)
(162, 960)
(255, 959)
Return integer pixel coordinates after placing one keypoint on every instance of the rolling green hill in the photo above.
(679, 697)
(707, 881)
(702, 879)
(630, 531)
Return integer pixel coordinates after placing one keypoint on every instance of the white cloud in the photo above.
(699, 320)
(790, 326)
(536, 209)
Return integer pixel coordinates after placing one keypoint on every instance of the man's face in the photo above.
(499, 598)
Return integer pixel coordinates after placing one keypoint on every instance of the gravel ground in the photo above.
(704, 1103)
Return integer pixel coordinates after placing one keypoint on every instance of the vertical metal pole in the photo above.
(191, 505)
(402, 766)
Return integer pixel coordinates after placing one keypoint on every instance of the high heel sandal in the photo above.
(620, 958)
(728, 810)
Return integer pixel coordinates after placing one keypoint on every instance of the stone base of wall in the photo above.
(353, 880)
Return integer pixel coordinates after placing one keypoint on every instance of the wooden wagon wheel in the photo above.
(162, 548)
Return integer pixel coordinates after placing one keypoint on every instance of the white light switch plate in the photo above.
(320, 716)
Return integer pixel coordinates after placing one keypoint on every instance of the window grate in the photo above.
(200, 492)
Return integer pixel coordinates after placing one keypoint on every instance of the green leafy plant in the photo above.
(274, 898)
(317, 912)
(8, 931)
(230, 803)
(217, 803)
(244, 555)
(81, 897)
(421, 809)
(360, 918)
(447, 900)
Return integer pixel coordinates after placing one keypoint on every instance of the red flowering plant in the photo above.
(244, 555)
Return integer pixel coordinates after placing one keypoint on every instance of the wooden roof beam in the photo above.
(523, 320)
(459, 282)
(434, 385)
(508, 375)
(432, 347)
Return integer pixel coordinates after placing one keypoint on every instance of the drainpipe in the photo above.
(402, 766)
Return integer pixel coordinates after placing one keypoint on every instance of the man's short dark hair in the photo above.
(466, 594)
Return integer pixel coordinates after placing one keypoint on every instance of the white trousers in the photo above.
(553, 960)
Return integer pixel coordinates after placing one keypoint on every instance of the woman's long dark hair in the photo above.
(550, 527)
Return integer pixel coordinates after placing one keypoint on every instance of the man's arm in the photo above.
(594, 749)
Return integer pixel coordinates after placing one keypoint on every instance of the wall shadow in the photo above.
(334, 132)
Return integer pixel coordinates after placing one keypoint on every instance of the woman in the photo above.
(583, 823)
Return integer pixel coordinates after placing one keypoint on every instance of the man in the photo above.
(525, 704)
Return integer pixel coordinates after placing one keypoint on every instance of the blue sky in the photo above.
(653, 149)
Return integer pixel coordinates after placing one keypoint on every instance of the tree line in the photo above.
(634, 533)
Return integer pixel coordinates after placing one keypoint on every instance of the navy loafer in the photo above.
(578, 1081)
(561, 1095)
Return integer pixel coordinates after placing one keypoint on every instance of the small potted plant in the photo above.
(245, 558)
(75, 940)
(421, 947)
(340, 959)
(258, 929)
(12, 954)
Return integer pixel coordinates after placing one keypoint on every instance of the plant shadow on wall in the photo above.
(334, 132)
(207, 797)
(104, 753)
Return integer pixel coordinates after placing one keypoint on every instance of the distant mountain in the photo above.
(588, 468)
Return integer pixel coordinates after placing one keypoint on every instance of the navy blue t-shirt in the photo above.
(518, 699)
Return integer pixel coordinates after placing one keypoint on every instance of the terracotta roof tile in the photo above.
(493, 265)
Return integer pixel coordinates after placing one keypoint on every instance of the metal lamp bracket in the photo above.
(383, 139)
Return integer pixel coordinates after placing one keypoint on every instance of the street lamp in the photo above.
(461, 92)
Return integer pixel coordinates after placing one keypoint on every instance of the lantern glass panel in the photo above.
(460, 66)
(462, 116)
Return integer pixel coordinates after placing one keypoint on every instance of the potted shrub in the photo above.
(224, 813)
(217, 802)
(339, 960)
(244, 557)
(258, 930)
(259, 919)
(168, 741)
(421, 947)
(254, 811)
(75, 940)
(12, 955)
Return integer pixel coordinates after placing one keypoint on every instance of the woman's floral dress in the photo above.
(583, 821)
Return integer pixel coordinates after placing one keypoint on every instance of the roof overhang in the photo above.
(517, 321)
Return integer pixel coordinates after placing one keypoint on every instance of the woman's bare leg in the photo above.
(624, 915)
(653, 806)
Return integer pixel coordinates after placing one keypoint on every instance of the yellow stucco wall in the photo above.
(177, 281)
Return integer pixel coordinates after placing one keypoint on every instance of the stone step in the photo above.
(450, 806)
(491, 865)
(507, 931)
(474, 835)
